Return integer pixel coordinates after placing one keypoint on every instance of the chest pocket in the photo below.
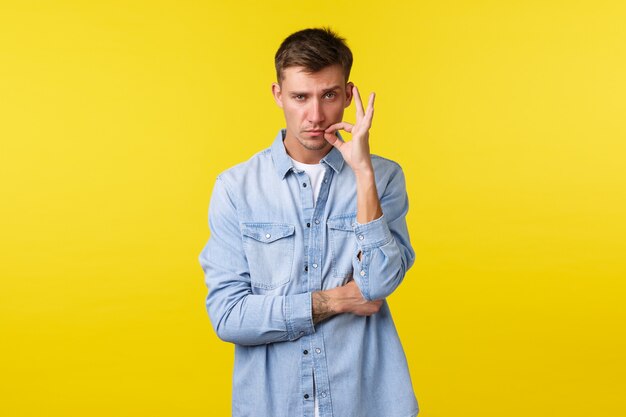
(342, 244)
(269, 248)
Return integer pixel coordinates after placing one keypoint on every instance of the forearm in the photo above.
(321, 306)
(384, 252)
(344, 299)
(368, 203)
(261, 319)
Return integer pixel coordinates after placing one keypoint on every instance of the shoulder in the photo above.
(386, 168)
(385, 163)
(256, 165)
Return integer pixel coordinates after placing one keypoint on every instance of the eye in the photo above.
(299, 97)
(330, 94)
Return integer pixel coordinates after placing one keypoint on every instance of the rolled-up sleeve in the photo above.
(238, 315)
(383, 251)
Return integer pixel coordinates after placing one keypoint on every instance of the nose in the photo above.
(316, 115)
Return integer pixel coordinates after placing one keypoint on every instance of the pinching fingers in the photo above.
(339, 126)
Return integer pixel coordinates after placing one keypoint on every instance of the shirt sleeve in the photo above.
(238, 315)
(385, 250)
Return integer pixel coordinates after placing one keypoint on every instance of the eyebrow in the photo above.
(326, 90)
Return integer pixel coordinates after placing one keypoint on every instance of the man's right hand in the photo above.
(344, 299)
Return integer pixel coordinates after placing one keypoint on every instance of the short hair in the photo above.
(313, 49)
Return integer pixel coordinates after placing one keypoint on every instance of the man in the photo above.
(308, 238)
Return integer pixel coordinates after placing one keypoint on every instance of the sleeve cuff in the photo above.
(299, 315)
(372, 234)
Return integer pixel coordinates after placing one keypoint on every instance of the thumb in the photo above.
(333, 139)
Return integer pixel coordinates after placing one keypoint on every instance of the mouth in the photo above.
(314, 132)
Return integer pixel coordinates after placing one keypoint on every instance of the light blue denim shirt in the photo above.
(270, 247)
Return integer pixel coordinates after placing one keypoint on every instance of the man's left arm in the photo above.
(384, 252)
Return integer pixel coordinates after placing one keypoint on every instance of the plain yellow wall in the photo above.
(508, 118)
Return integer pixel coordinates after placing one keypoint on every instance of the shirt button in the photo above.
(361, 237)
(306, 396)
(325, 181)
(362, 273)
(324, 394)
(267, 236)
(318, 350)
(314, 265)
(306, 269)
(306, 352)
(308, 225)
(317, 221)
(304, 184)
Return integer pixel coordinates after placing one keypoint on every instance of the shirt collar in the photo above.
(282, 161)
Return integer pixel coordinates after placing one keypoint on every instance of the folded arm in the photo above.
(238, 315)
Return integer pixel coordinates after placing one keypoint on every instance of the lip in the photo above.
(315, 132)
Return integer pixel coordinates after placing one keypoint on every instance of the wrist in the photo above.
(323, 305)
(335, 306)
(364, 173)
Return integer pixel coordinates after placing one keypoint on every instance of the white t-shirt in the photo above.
(316, 176)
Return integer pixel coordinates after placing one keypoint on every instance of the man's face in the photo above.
(311, 102)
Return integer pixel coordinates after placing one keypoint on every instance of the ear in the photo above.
(277, 93)
(349, 87)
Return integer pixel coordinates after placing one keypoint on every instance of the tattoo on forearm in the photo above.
(321, 307)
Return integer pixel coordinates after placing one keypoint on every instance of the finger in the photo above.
(358, 103)
(333, 140)
(331, 137)
(369, 113)
(370, 105)
(339, 126)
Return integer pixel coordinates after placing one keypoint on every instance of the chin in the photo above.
(314, 145)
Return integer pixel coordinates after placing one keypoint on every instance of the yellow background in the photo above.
(508, 118)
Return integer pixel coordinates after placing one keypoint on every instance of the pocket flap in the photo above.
(345, 222)
(267, 232)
